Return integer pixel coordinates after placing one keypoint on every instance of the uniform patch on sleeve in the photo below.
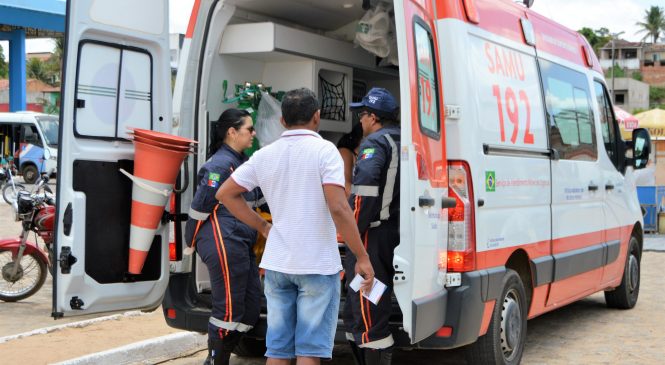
(213, 179)
(367, 153)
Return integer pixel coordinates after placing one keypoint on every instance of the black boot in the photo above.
(219, 351)
(378, 357)
(358, 353)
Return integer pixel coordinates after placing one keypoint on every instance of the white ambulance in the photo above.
(517, 191)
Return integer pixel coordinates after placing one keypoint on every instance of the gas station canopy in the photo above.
(21, 19)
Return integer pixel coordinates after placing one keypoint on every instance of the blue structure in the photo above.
(21, 19)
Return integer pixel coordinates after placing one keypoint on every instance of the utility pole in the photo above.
(614, 36)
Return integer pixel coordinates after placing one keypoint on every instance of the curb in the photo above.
(145, 352)
(79, 324)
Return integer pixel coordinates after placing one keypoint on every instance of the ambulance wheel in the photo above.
(250, 347)
(30, 174)
(504, 341)
(625, 296)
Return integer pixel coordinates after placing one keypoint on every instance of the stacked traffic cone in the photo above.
(157, 160)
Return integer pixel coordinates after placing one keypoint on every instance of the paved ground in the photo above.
(585, 332)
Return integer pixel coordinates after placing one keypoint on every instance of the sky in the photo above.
(616, 15)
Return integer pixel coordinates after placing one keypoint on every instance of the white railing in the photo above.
(629, 63)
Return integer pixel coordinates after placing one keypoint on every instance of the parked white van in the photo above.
(517, 195)
(31, 139)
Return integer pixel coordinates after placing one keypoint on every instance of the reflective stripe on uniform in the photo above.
(199, 216)
(383, 343)
(349, 336)
(365, 190)
(391, 176)
(231, 326)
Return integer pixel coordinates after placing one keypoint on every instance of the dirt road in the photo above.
(585, 332)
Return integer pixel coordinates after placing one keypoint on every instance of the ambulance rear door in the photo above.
(420, 259)
(116, 75)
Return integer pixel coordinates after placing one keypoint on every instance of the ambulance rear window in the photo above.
(113, 90)
(428, 89)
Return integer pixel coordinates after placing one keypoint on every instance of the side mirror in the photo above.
(641, 148)
(47, 154)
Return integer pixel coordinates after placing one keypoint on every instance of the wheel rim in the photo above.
(12, 193)
(511, 325)
(633, 272)
(29, 175)
(26, 279)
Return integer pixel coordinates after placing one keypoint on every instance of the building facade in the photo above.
(629, 94)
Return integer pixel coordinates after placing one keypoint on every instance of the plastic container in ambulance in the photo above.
(517, 193)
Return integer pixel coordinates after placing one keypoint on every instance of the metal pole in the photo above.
(612, 71)
(614, 36)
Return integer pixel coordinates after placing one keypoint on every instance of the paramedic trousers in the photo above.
(234, 275)
(365, 322)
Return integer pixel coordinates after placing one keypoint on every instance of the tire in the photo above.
(625, 295)
(32, 274)
(8, 193)
(30, 174)
(250, 347)
(505, 338)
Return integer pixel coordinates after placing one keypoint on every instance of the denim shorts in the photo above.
(302, 314)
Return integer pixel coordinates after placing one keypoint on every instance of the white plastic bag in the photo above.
(372, 31)
(268, 127)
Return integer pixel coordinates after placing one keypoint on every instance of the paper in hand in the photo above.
(374, 294)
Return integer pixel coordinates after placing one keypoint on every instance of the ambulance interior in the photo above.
(287, 44)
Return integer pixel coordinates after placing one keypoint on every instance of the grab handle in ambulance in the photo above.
(447, 202)
(425, 201)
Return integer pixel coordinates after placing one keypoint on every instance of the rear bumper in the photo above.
(464, 307)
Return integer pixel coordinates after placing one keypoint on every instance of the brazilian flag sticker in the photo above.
(490, 181)
(213, 179)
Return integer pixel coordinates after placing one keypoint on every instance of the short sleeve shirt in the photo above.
(291, 173)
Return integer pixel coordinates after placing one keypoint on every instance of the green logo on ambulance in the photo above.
(490, 181)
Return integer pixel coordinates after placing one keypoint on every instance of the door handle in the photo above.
(609, 186)
(447, 202)
(593, 187)
(425, 201)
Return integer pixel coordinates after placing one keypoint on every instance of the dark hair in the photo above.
(352, 139)
(230, 118)
(299, 106)
(385, 118)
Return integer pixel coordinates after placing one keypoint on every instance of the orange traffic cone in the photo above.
(155, 172)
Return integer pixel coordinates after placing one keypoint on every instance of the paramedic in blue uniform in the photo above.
(225, 243)
(375, 201)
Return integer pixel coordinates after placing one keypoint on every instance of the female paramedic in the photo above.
(225, 243)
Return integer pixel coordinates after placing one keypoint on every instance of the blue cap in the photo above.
(378, 99)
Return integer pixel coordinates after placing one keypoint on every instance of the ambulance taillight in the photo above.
(461, 237)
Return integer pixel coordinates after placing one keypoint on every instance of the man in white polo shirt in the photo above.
(302, 178)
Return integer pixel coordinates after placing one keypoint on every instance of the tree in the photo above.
(4, 67)
(596, 38)
(54, 63)
(656, 95)
(35, 69)
(618, 71)
(654, 22)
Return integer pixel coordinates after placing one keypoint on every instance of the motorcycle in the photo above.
(24, 264)
(9, 188)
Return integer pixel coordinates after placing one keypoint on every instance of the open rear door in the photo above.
(420, 259)
(116, 75)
